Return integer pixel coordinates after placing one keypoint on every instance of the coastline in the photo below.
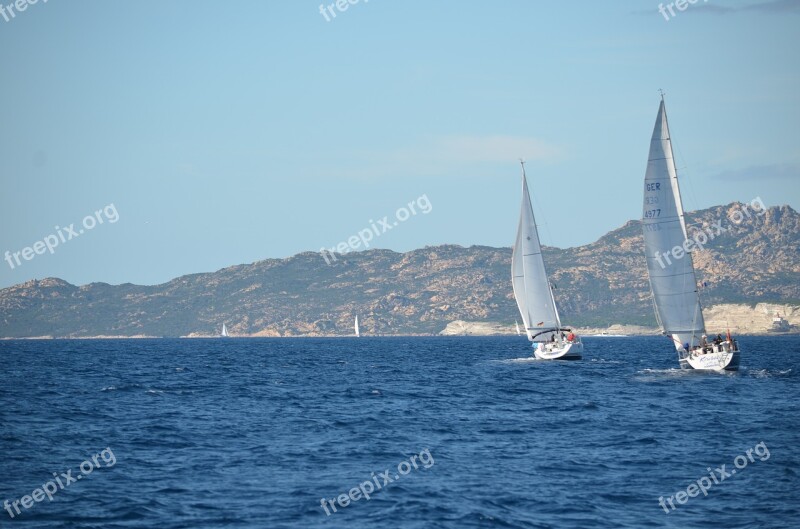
(740, 319)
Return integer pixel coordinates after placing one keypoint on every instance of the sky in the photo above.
(205, 134)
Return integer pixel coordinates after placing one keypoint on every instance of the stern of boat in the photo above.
(559, 350)
(713, 357)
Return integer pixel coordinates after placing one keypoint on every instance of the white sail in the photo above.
(224, 331)
(672, 277)
(529, 277)
(358, 331)
(519, 333)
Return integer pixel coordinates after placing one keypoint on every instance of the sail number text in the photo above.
(652, 213)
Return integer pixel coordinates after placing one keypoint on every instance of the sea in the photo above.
(395, 432)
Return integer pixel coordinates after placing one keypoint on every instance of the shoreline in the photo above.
(364, 336)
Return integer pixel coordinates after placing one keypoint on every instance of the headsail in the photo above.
(672, 277)
(528, 274)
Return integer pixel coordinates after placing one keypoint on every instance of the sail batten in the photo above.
(672, 280)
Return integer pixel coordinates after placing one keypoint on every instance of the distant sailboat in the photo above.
(533, 292)
(519, 333)
(672, 277)
(358, 331)
(224, 333)
(608, 334)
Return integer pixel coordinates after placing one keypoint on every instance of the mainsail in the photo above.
(672, 277)
(528, 275)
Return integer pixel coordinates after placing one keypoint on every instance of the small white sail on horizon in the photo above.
(519, 333)
(358, 331)
(224, 333)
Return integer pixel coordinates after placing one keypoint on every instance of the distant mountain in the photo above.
(416, 292)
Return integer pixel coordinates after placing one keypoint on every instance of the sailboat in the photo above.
(672, 277)
(358, 331)
(608, 334)
(224, 333)
(519, 333)
(533, 293)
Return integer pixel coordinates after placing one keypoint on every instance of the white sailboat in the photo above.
(672, 277)
(519, 333)
(533, 293)
(224, 333)
(608, 334)
(358, 331)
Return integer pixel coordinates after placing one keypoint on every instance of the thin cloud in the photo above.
(477, 149)
(769, 7)
(713, 9)
(775, 6)
(445, 155)
(760, 172)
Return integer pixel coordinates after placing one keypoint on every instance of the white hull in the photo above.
(714, 358)
(558, 351)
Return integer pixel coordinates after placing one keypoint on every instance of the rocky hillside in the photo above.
(420, 291)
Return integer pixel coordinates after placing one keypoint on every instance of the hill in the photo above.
(418, 292)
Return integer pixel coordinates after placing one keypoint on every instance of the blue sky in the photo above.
(229, 132)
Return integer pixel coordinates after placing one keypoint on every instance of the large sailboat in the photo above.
(672, 278)
(533, 292)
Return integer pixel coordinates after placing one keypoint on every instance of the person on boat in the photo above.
(718, 340)
(571, 337)
(730, 339)
(704, 343)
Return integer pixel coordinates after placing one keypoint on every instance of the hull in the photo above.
(558, 351)
(714, 358)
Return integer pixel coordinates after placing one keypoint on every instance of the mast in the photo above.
(698, 313)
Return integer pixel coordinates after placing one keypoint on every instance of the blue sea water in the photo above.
(253, 433)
